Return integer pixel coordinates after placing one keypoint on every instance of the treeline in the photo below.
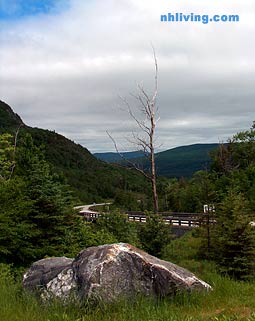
(36, 213)
(229, 188)
(37, 217)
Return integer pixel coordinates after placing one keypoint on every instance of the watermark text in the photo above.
(192, 17)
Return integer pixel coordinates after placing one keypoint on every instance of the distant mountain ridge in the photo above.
(177, 162)
(111, 157)
(184, 161)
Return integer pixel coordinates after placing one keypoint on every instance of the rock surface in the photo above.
(110, 272)
(44, 271)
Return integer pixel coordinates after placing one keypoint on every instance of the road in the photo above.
(86, 208)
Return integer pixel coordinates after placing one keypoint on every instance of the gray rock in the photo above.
(45, 270)
(62, 286)
(110, 272)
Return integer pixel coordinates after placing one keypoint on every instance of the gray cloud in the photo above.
(65, 71)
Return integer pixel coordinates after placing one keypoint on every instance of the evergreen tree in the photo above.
(7, 161)
(233, 243)
(36, 210)
(17, 231)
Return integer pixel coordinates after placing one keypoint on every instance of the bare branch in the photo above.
(144, 92)
(139, 123)
(143, 142)
(140, 145)
(14, 151)
(156, 75)
(134, 165)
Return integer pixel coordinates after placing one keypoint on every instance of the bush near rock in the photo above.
(108, 273)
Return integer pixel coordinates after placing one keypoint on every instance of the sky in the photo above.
(67, 65)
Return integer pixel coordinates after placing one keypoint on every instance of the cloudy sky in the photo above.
(64, 64)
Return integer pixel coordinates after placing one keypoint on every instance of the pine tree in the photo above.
(36, 210)
(233, 243)
(6, 156)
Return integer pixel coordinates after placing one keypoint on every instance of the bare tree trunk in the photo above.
(146, 142)
(14, 151)
(153, 166)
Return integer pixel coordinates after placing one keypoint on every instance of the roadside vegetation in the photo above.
(230, 300)
(37, 220)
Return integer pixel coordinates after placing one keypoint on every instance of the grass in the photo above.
(229, 301)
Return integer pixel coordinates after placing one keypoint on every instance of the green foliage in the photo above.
(91, 180)
(36, 207)
(84, 235)
(190, 195)
(238, 154)
(17, 231)
(182, 249)
(178, 162)
(7, 160)
(36, 213)
(233, 175)
(52, 211)
(233, 243)
(37, 217)
(154, 234)
(184, 161)
(181, 161)
(117, 225)
(243, 148)
(131, 201)
(9, 121)
(230, 186)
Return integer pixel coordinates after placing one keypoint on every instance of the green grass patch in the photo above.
(230, 300)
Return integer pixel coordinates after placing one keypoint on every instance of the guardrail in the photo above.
(175, 219)
(183, 220)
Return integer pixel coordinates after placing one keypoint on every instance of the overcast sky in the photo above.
(64, 64)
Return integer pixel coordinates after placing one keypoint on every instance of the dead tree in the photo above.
(8, 159)
(145, 140)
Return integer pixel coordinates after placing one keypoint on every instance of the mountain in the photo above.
(91, 179)
(9, 121)
(116, 158)
(184, 161)
(178, 162)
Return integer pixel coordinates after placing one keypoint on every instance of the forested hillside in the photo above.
(184, 161)
(177, 162)
(91, 179)
(9, 121)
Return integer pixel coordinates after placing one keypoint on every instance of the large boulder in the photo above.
(110, 272)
